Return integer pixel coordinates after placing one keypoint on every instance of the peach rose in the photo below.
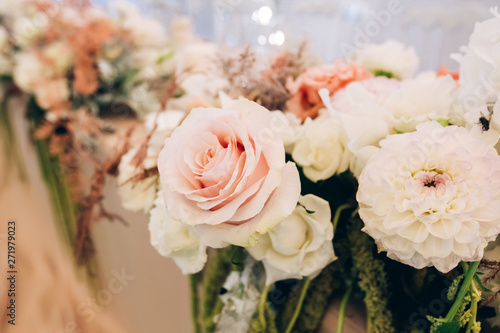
(305, 101)
(223, 171)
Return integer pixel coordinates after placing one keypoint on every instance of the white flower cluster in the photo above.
(479, 92)
(429, 183)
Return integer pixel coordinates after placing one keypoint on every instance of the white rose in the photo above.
(199, 89)
(5, 64)
(409, 107)
(360, 109)
(13, 7)
(61, 55)
(166, 122)
(196, 57)
(391, 57)
(30, 71)
(136, 195)
(4, 40)
(52, 93)
(479, 91)
(224, 171)
(181, 31)
(287, 125)
(299, 246)
(432, 197)
(321, 149)
(176, 240)
(143, 100)
(144, 31)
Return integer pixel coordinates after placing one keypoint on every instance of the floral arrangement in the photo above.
(74, 68)
(301, 182)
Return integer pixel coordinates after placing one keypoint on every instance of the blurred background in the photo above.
(155, 298)
(332, 27)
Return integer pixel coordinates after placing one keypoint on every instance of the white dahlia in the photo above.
(432, 197)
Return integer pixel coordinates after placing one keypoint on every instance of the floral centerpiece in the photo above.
(304, 182)
(71, 67)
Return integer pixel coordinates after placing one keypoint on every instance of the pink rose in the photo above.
(305, 101)
(224, 172)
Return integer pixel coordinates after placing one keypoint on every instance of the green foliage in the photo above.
(256, 326)
(372, 279)
(214, 276)
(453, 289)
(319, 293)
(381, 72)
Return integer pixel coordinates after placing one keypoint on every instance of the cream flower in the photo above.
(479, 91)
(52, 93)
(321, 148)
(409, 107)
(176, 240)
(144, 31)
(299, 246)
(136, 195)
(360, 108)
(29, 71)
(60, 56)
(391, 57)
(224, 172)
(432, 197)
(165, 122)
(288, 126)
(199, 89)
(370, 110)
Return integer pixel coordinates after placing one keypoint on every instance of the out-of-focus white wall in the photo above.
(435, 28)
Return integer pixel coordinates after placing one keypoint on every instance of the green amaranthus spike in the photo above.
(270, 322)
(372, 279)
(319, 293)
(214, 275)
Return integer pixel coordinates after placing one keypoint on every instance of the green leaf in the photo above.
(307, 210)
(451, 327)
(381, 72)
(164, 57)
(443, 122)
(480, 284)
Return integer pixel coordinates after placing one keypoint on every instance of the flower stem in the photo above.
(336, 217)
(463, 290)
(262, 307)
(195, 300)
(343, 306)
(11, 147)
(296, 313)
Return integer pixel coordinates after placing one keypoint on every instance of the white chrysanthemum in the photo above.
(432, 197)
(176, 240)
(136, 195)
(391, 57)
(321, 149)
(299, 246)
